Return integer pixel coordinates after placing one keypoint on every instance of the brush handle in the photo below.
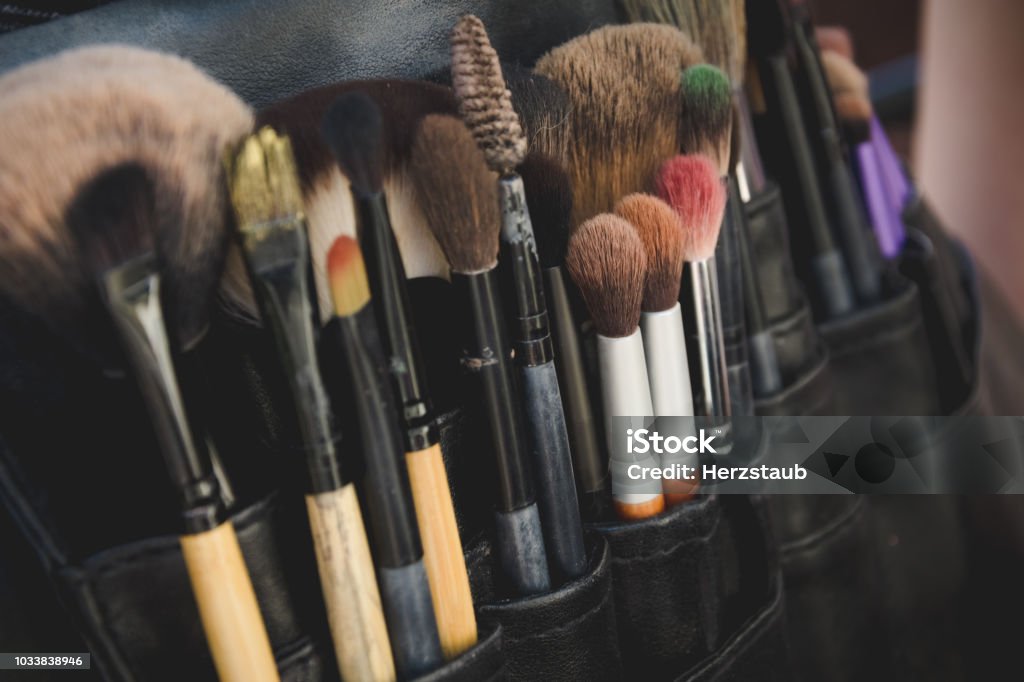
(442, 550)
(626, 392)
(667, 368)
(410, 616)
(750, 170)
(588, 459)
(714, 382)
(764, 364)
(728, 262)
(521, 554)
(227, 606)
(556, 497)
(353, 602)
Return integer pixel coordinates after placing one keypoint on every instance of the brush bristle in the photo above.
(607, 261)
(346, 270)
(662, 235)
(458, 193)
(706, 126)
(691, 185)
(549, 198)
(263, 182)
(624, 92)
(69, 117)
(112, 218)
(352, 129)
(484, 102)
(543, 109)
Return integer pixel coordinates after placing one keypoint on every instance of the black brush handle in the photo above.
(521, 550)
(728, 265)
(556, 489)
(590, 464)
(386, 274)
(385, 490)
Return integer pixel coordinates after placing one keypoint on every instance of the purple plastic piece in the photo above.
(888, 228)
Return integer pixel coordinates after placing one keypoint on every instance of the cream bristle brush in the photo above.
(485, 106)
(624, 109)
(607, 260)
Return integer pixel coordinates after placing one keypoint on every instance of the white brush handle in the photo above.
(667, 367)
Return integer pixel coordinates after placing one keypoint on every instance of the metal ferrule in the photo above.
(277, 255)
(714, 379)
(667, 368)
(521, 276)
(749, 171)
(386, 274)
(132, 293)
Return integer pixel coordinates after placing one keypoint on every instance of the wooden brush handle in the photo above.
(349, 584)
(442, 551)
(227, 606)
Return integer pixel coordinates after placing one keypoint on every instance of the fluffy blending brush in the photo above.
(543, 109)
(272, 233)
(485, 106)
(624, 94)
(352, 128)
(112, 219)
(549, 196)
(606, 259)
(460, 199)
(691, 186)
(400, 568)
(330, 211)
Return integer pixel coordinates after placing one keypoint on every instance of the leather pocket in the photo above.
(484, 662)
(567, 634)
(668, 593)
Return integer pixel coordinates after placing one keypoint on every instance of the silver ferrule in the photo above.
(750, 175)
(714, 378)
(515, 217)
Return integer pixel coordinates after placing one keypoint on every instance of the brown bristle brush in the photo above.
(114, 198)
(549, 195)
(459, 196)
(330, 211)
(624, 94)
(486, 107)
(608, 262)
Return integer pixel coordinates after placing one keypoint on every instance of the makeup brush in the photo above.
(330, 210)
(861, 255)
(112, 220)
(624, 94)
(768, 45)
(400, 568)
(606, 259)
(549, 196)
(543, 110)
(485, 106)
(460, 199)
(691, 186)
(271, 229)
(353, 129)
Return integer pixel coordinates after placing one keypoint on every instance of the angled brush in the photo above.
(459, 197)
(401, 572)
(112, 219)
(606, 259)
(624, 94)
(549, 196)
(352, 129)
(272, 234)
(485, 106)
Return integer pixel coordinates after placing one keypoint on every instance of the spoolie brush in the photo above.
(485, 105)
(352, 129)
(113, 219)
(624, 93)
(607, 261)
(691, 186)
(550, 198)
(459, 197)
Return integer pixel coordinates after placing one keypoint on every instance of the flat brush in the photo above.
(861, 254)
(460, 199)
(485, 106)
(606, 259)
(400, 568)
(624, 95)
(112, 220)
(691, 186)
(272, 233)
(833, 294)
(549, 196)
(352, 129)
